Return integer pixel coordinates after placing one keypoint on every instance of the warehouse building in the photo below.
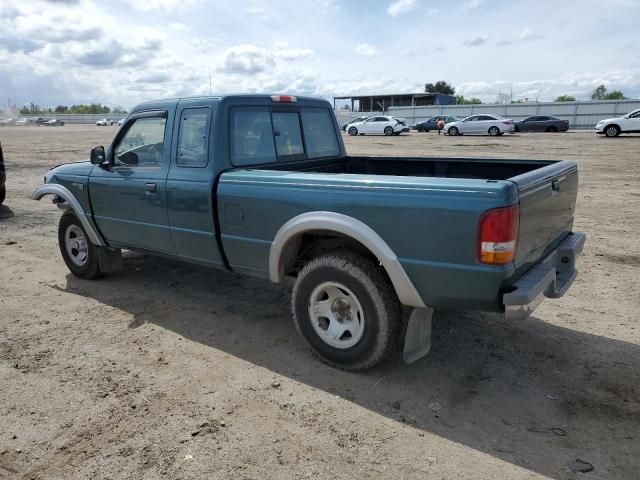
(381, 103)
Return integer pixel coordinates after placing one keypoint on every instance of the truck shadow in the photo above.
(530, 393)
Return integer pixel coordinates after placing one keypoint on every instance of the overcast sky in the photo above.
(121, 52)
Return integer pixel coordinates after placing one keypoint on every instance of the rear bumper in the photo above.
(551, 277)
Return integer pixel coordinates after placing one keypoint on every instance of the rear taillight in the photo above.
(498, 235)
(284, 98)
(507, 122)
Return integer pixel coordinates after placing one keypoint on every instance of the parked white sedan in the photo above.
(493, 125)
(378, 126)
(104, 122)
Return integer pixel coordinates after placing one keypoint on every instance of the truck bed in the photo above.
(488, 169)
(546, 189)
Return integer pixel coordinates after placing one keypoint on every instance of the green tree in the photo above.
(599, 93)
(460, 100)
(565, 98)
(439, 87)
(614, 95)
(61, 109)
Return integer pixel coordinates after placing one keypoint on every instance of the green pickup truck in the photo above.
(262, 185)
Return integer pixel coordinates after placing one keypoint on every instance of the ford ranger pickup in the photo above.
(263, 185)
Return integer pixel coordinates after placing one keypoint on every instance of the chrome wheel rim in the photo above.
(76, 244)
(611, 132)
(336, 315)
(388, 131)
(493, 131)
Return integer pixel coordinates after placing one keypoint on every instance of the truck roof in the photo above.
(267, 99)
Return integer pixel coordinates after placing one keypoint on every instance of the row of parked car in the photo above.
(490, 124)
(475, 124)
(33, 121)
(108, 122)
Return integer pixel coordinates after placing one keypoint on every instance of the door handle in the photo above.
(151, 187)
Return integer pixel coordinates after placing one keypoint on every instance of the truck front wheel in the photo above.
(80, 255)
(346, 310)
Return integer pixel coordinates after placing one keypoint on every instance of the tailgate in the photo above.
(547, 201)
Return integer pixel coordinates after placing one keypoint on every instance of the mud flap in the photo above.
(109, 259)
(417, 340)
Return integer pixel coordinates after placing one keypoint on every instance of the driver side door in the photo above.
(128, 196)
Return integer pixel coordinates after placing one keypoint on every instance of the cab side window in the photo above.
(193, 139)
(143, 143)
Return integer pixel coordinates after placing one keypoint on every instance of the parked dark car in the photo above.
(3, 177)
(542, 123)
(432, 123)
(54, 122)
(39, 121)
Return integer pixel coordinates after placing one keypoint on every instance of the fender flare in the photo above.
(68, 198)
(353, 228)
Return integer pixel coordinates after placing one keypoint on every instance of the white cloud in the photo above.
(401, 6)
(365, 50)
(246, 59)
(471, 4)
(163, 5)
(178, 27)
(476, 41)
(520, 36)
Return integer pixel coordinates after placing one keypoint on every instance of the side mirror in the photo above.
(98, 156)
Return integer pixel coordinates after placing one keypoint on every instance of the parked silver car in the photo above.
(484, 124)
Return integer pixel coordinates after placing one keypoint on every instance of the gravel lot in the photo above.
(166, 370)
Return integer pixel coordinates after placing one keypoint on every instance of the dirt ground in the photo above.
(166, 370)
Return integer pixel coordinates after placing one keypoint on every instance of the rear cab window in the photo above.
(268, 134)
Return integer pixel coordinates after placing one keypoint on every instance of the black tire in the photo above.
(3, 194)
(353, 131)
(494, 131)
(552, 129)
(381, 309)
(516, 129)
(91, 268)
(388, 131)
(453, 131)
(612, 131)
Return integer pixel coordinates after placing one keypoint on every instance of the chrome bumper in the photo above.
(551, 277)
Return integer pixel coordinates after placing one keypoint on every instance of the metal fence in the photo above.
(76, 117)
(581, 115)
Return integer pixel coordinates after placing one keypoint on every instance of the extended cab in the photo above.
(263, 185)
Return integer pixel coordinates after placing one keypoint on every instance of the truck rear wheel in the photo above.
(80, 255)
(346, 310)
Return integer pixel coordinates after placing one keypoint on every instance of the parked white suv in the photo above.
(612, 127)
(378, 126)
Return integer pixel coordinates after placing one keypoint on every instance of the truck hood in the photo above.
(80, 169)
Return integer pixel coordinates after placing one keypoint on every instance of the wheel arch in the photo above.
(286, 243)
(69, 199)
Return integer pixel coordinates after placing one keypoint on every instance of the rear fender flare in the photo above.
(67, 197)
(350, 227)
